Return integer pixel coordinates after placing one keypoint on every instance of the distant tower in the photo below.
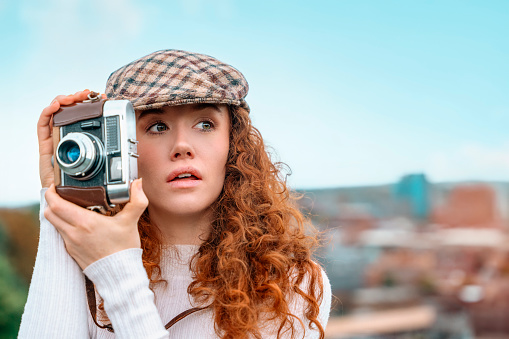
(413, 190)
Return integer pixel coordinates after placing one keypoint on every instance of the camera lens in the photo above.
(69, 152)
(73, 154)
(80, 155)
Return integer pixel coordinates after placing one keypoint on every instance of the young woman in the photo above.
(211, 227)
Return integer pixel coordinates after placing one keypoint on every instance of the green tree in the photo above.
(13, 293)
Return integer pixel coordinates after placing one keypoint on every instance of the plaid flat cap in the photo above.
(174, 77)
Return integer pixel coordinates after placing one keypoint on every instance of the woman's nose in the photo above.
(182, 149)
(181, 154)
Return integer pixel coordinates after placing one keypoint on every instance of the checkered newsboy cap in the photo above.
(173, 77)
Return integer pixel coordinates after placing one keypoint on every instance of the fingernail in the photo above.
(140, 184)
(53, 102)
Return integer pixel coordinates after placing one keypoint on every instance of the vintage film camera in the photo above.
(95, 149)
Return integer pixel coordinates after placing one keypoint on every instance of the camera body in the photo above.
(95, 150)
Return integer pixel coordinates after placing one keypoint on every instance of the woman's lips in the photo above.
(184, 183)
(184, 177)
(183, 171)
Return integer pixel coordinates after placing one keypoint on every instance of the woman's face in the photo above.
(182, 156)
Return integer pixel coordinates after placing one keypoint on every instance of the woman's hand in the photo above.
(44, 133)
(90, 236)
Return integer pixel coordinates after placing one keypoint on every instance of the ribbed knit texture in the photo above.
(122, 282)
(57, 305)
(57, 288)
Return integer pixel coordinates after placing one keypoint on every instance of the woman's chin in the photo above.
(179, 208)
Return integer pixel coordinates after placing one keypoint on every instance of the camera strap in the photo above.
(93, 309)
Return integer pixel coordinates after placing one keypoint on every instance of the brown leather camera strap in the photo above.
(89, 285)
(183, 315)
(93, 309)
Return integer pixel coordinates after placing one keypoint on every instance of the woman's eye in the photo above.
(205, 125)
(158, 128)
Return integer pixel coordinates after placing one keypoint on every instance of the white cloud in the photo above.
(75, 21)
(471, 161)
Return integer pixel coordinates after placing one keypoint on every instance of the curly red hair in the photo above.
(259, 250)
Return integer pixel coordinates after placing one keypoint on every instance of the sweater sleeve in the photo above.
(121, 280)
(56, 306)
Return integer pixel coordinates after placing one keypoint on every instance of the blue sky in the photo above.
(346, 92)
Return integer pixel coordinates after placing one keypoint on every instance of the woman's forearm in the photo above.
(121, 280)
(56, 306)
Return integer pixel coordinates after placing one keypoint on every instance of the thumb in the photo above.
(138, 203)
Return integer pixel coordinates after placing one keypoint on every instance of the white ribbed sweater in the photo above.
(57, 306)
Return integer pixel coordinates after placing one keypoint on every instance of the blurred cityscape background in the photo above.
(416, 259)
(363, 90)
(412, 259)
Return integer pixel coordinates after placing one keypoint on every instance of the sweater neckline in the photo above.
(175, 260)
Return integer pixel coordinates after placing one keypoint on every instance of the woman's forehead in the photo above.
(220, 109)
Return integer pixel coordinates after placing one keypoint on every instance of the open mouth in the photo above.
(184, 176)
(188, 174)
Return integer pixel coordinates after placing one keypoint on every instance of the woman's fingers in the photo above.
(138, 203)
(61, 226)
(78, 216)
(66, 210)
(82, 95)
(72, 98)
(44, 133)
(89, 236)
(44, 123)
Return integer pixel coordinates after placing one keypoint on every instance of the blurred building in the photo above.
(473, 205)
(413, 192)
(416, 244)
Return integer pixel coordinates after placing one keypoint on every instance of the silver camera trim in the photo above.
(118, 191)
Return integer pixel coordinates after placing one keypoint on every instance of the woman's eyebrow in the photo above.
(197, 107)
(154, 111)
(208, 105)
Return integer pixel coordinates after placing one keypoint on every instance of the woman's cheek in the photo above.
(146, 167)
(147, 155)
